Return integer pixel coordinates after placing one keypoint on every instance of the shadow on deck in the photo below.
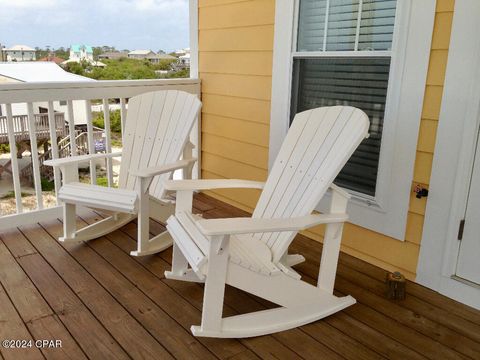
(102, 303)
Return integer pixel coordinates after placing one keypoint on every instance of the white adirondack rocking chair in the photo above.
(251, 253)
(156, 136)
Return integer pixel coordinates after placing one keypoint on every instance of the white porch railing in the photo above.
(30, 93)
(21, 126)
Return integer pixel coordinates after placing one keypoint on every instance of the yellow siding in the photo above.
(235, 64)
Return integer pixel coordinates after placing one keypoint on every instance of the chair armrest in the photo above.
(80, 158)
(232, 226)
(153, 171)
(182, 185)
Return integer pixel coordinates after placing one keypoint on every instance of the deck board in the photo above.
(444, 339)
(236, 301)
(104, 303)
(104, 307)
(13, 327)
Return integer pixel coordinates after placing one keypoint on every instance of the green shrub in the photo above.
(11, 195)
(102, 181)
(47, 185)
(4, 149)
(115, 121)
(184, 73)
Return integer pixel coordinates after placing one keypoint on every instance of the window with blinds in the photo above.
(343, 58)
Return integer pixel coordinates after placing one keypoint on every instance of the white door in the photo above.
(468, 263)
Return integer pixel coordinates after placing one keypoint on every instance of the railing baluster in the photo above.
(22, 121)
(91, 143)
(32, 129)
(108, 141)
(123, 114)
(54, 145)
(14, 163)
(71, 128)
(48, 126)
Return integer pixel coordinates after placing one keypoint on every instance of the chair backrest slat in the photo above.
(176, 135)
(317, 146)
(157, 128)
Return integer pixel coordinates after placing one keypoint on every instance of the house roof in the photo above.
(162, 57)
(38, 71)
(140, 52)
(20, 48)
(182, 51)
(79, 47)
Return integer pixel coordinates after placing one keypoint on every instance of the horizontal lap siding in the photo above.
(235, 62)
(235, 65)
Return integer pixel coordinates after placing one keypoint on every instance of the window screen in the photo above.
(342, 76)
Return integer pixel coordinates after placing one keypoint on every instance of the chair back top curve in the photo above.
(156, 130)
(318, 144)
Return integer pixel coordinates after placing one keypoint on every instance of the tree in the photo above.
(126, 69)
(63, 53)
(165, 64)
(123, 69)
(184, 73)
(40, 53)
(106, 48)
(98, 51)
(115, 121)
(75, 68)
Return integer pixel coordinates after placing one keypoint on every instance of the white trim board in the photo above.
(453, 158)
(193, 20)
(28, 218)
(387, 213)
(196, 136)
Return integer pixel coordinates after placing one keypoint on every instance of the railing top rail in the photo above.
(89, 90)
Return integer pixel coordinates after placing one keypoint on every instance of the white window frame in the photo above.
(387, 212)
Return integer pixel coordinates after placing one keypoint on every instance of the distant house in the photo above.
(182, 52)
(19, 53)
(81, 52)
(159, 57)
(17, 72)
(140, 54)
(185, 60)
(183, 56)
(113, 55)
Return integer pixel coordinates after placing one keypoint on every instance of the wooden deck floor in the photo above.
(103, 304)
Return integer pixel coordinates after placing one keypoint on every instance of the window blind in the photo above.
(351, 25)
(376, 24)
(345, 27)
(359, 82)
(311, 25)
(342, 25)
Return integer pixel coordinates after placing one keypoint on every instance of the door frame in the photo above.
(453, 160)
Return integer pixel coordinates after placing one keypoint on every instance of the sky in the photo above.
(124, 24)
